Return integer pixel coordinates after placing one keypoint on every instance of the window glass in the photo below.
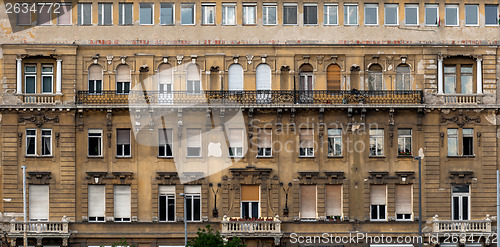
(491, 14)
(187, 13)
(350, 14)
(411, 14)
(64, 15)
(452, 142)
(391, 14)
(451, 15)
(165, 142)
(43, 14)
(471, 14)
(376, 142)
(228, 14)
(24, 15)
(248, 14)
(208, 14)
(125, 13)
(310, 14)
(166, 13)
(431, 15)
(85, 13)
(269, 15)
(330, 16)
(105, 13)
(146, 13)
(371, 14)
(289, 14)
(404, 142)
(403, 80)
(334, 142)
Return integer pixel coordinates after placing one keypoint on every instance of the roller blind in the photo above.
(122, 201)
(265, 138)
(250, 192)
(123, 73)
(333, 77)
(263, 77)
(194, 137)
(308, 201)
(95, 72)
(378, 195)
(236, 137)
(235, 77)
(123, 136)
(403, 199)
(306, 138)
(97, 199)
(165, 73)
(167, 189)
(193, 74)
(165, 136)
(333, 200)
(192, 189)
(39, 202)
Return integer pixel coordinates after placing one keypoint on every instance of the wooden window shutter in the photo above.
(333, 77)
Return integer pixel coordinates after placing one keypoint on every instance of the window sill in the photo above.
(95, 157)
(39, 156)
(193, 157)
(307, 157)
(264, 157)
(405, 156)
(382, 220)
(165, 157)
(376, 157)
(335, 157)
(461, 157)
(123, 157)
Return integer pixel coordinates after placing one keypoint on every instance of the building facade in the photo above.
(283, 123)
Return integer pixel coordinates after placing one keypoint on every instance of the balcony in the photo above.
(461, 226)
(37, 99)
(461, 99)
(39, 229)
(252, 228)
(252, 98)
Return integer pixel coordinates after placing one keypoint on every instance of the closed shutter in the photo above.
(39, 202)
(403, 199)
(165, 136)
(378, 195)
(122, 201)
(193, 74)
(123, 136)
(165, 74)
(306, 138)
(97, 198)
(123, 73)
(192, 189)
(333, 77)
(308, 201)
(235, 137)
(235, 77)
(95, 72)
(167, 189)
(250, 193)
(193, 138)
(334, 200)
(265, 138)
(263, 77)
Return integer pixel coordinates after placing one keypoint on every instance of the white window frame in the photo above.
(122, 9)
(204, 17)
(334, 137)
(327, 14)
(121, 219)
(101, 21)
(413, 6)
(404, 137)
(70, 15)
(95, 218)
(411, 204)
(463, 141)
(225, 17)
(451, 6)
(173, 13)
(391, 5)
(168, 142)
(50, 142)
(82, 20)
(477, 15)
(460, 195)
(304, 15)
(341, 199)
(191, 196)
(152, 14)
(377, 138)
(167, 195)
(122, 146)
(188, 145)
(265, 9)
(378, 208)
(371, 5)
(264, 149)
(346, 14)
(49, 75)
(193, 13)
(30, 74)
(245, 14)
(235, 151)
(35, 142)
(496, 23)
(452, 136)
(307, 151)
(296, 14)
(100, 148)
(31, 205)
(429, 6)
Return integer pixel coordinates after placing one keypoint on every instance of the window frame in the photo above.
(304, 6)
(291, 5)
(245, 14)
(43, 137)
(328, 6)
(404, 138)
(306, 152)
(464, 135)
(460, 195)
(95, 82)
(81, 12)
(193, 12)
(100, 147)
(266, 151)
(458, 64)
(168, 196)
(123, 146)
(30, 204)
(188, 145)
(152, 14)
(122, 14)
(369, 6)
(347, 15)
(204, 16)
(431, 6)
(173, 13)
(404, 218)
(121, 219)
(415, 6)
(168, 142)
(376, 138)
(402, 76)
(49, 75)
(42, 11)
(496, 15)
(237, 154)
(225, 17)
(477, 15)
(267, 6)
(70, 14)
(378, 207)
(334, 136)
(96, 218)
(101, 13)
(391, 5)
(28, 12)
(30, 74)
(449, 7)
(190, 197)
(34, 141)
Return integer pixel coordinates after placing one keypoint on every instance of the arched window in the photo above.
(123, 79)
(235, 77)
(165, 78)
(95, 79)
(333, 77)
(263, 77)
(306, 77)
(193, 79)
(375, 77)
(403, 81)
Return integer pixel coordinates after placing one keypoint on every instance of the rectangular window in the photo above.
(491, 14)
(451, 15)
(391, 14)
(30, 78)
(468, 141)
(371, 14)
(403, 202)
(250, 197)
(450, 79)
(228, 14)
(460, 202)
(404, 142)
(431, 14)
(249, 14)
(47, 78)
(306, 145)
(193, 86)
(350, 14)
(193, 202)
(167, 14)
(236, 142)
(38, 202)
(308, 201)
(31, 142)
(471, 15)
(334, 142)
(378, 202)
(333, 199)
(466, 77)
(269, 14)
(187, 14)
(208, 14)
(105, 14)
(376, 142)
(97, 202)
(122, 203)
(23, 17)
(310, 14)
(452, 142)
(125, 14)
(330, 15)
(193, 142)
(46, 142)
(165, 143)
(43, 14)
(146, 14)
(166, 203)
(64, 15)
(123, 142)
(289, 14)
(84, 14)
(95, 142)
(122, 87)
(264, 148)
(411, 14)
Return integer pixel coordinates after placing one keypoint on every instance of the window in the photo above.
(458, 78)
(375, 79)
(333, 202)
(330, 15)
(467, 140)
(64, 15)
(165, 78)
(460, 202)
(333, 77)
(411, 14)
(491, 14)
(30, 78)
(391, 14)
(31, 142)
(403, 79)
(248, 14)
(46, 142)
(39, 202)
(371, 14)
(263, 83)
(350, 14)
(334, 142)
(187, 13)
(208, 14)
(23, 17)
(95, 142)
(376, 142)
(43, 14)
(451, 15)
(84, 14)
(378, 202)
(289, 14)
(264, 148)
(403, 202)
(166, 202)
(404, 142)
(47, 78)
(471, 15)
(431, 15)
(125, 14)
(306, 145)
(193, 202)
(250, 197)
(95, 79)
(269, 14)
(452, 142)
(97, 203)
(193, 142)
(236, 142)
(123, 79)
(146, 15)
(105, 14)
(310, 14)
(308, 201)
(167, 14)
(228, 14)
(235, 77)
(123, 142)
(193, 82)
(122, 203)
(165, 143)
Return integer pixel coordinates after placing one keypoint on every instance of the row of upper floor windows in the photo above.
(310, 13)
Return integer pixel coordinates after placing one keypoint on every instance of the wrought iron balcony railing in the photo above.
(249, 98)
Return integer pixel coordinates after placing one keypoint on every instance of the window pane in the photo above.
(451, 15)
(64, 16)
(43, 14)
(208, 14)
(456, 208)
(269, 15)
(452, 142)
(30, 84)
(167, 14)
(289, 15)
(411, 14)
(471, 14)
(431, 15)
(248, 15)
(330, 15)
(310, 15)
(187, 14)
(371, 15)
(391, 14)
(23, 18)
(351, 14)
(491, 14)
(146, 13)
(125, 13)
(46, 84)
(85, 13)
(228, 15)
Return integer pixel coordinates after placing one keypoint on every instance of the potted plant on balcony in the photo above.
(338, 218)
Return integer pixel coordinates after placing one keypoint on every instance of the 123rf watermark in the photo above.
(354, 238)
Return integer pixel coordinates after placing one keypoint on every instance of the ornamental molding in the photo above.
(39, 119)
(461, 119)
